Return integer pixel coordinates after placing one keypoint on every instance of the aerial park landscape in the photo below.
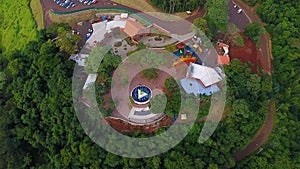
(149, 84)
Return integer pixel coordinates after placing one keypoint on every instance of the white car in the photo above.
(239, 11)
(235, 5)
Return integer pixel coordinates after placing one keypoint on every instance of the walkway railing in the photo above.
(139, 122)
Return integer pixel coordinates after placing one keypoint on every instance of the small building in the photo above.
(223, 60)
(183, 116)
(135, 30)
(124, 15)
(193, 86)
(115, 24)
(206, 75)
(223, 57)
(98, 33)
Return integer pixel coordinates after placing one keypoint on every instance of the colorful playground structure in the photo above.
(185, 53)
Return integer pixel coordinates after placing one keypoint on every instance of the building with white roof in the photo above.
(124, 15)
(115, 24)
(98, 33)
(207, 75)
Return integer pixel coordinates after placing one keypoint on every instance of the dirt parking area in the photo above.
(247, 53)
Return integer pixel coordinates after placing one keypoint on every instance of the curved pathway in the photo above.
(265, 59)
(177, 27)
(261, 136)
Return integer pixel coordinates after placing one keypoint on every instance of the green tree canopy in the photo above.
(200, 26)
(253, 31)
(150, 74)
(217, 15)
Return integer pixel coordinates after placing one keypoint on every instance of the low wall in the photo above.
(89, 13)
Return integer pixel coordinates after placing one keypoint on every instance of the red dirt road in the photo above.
(265, 54)
(261, 136)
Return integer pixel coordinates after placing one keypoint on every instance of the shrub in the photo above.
(240, 41)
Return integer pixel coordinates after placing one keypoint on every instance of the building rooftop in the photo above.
(207, 75)
(133, 28)
(192, 86)
(223, 60)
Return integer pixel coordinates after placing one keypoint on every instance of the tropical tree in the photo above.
(150, 74)
(253, 31)
(200, 26)
(67, 41)
(217, 15)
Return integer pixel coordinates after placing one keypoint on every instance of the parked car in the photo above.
(239, 11)
(235, 5)
(87, 1)
(188, 12)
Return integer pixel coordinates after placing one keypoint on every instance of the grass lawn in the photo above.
(17, 25)
(37, 11)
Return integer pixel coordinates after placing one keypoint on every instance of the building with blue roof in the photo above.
(194, 86)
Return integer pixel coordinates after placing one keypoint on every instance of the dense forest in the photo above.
(40, 121)
(282, 150)
(172, 6)
(39, 127)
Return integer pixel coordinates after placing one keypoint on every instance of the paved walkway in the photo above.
(152, 42)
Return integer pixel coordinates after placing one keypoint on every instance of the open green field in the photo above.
(37, 11)
(17, 25)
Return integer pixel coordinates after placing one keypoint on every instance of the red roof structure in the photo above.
(180, 45)
(133, 28)
(223, 60)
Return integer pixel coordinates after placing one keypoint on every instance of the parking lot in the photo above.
(237, 16)
(71, 4)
